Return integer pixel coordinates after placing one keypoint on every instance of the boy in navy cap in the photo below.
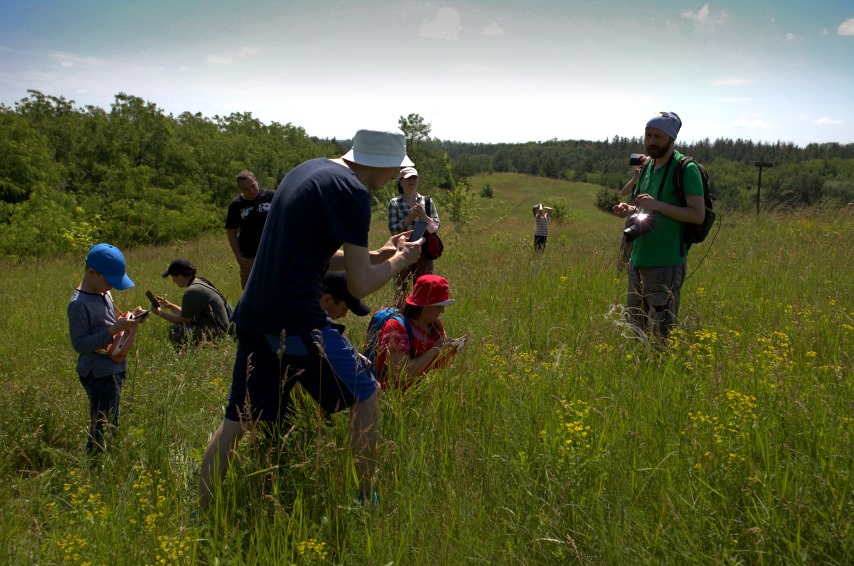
(93, 323)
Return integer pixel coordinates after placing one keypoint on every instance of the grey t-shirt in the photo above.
(89, 317)
(204, 305)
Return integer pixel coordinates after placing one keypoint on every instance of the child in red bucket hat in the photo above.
(401, 360)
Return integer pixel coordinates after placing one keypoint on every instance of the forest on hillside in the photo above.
(133, 174)
(818, 174)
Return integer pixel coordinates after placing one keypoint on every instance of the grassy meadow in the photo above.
(554, 438)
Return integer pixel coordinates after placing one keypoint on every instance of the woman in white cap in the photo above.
(403, 212)
(414, 342)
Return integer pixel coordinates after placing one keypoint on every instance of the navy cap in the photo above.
(335, 283)
(180, 266)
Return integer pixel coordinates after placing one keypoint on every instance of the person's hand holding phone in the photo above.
(123, 323)
(416, 213)
(152, 299)
(418, 231)
(139, 315)
(409, 248)
(155, 302)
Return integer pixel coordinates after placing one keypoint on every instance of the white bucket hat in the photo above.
(376, 148)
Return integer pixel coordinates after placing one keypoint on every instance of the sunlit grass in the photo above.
(554, 438)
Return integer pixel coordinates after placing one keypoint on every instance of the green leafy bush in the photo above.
(606, 199)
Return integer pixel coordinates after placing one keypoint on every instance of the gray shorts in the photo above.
(653, 297)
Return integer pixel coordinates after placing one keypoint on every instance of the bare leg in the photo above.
(244, 272)
(364, 440)
(215, 460)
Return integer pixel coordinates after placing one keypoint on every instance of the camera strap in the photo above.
(666, 175)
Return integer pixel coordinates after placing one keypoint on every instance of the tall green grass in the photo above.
(554, 438)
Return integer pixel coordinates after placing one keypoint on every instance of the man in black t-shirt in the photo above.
(245, 220)
(318, 222)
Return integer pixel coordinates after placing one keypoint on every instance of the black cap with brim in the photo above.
(335, 283)
(179, 266)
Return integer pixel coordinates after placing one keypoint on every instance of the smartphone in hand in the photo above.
(460, 341)
(418, 231)
(139, 316)
(153, 299)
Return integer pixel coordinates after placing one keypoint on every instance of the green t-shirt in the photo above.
(662, 246)
(205, 306)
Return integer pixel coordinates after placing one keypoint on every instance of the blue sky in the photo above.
(477, 70)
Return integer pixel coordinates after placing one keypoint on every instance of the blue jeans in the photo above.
(103, 393)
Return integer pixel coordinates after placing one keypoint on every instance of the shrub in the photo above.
(606, 199)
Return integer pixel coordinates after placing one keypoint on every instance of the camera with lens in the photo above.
(637, 225)
(636, 159)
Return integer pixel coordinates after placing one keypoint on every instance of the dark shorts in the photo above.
(324, 362)
(654, 295)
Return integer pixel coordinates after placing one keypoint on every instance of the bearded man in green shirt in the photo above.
(659, 254)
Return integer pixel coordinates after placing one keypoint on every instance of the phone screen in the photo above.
(418, 231)
(143, 314)
(154, 303)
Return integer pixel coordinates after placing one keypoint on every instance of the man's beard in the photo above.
(657, 152)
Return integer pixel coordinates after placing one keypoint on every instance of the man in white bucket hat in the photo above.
(284, 336)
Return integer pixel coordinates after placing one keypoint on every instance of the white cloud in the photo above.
(245, 52)
(68, 60)
(752, 123)
(493, 29)
(826, 121)
(846, 27)
(219, 59)
(671, 26)
(446, 25)
(705, 16)
(731, 81)
(792, 37)
(228, 58)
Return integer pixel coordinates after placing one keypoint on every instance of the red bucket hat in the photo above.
(430, 291)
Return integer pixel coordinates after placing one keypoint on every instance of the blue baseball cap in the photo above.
(667, 122)
(107, 260)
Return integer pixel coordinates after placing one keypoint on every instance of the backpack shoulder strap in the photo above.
(428, 205)
(398, 316)
(636, 188)
(211, 286)
(225, 302)
(679, 178)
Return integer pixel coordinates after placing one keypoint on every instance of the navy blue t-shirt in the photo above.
(318, 206)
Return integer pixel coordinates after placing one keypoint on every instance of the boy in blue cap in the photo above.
(93, 323)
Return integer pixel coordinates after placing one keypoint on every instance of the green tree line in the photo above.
(130, 175)
(818, 174)
(135, 175)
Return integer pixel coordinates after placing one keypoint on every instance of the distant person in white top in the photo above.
(541, 233)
